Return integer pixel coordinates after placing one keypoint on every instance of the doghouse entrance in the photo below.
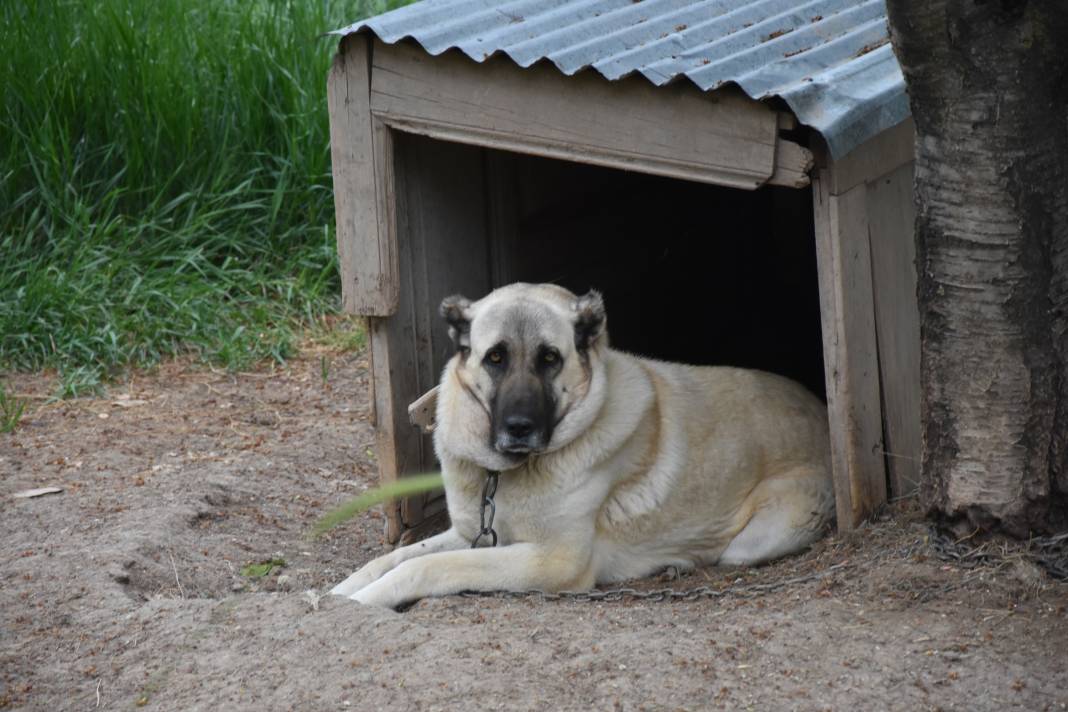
(690, 272)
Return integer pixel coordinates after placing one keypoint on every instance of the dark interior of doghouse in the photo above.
(690, 272)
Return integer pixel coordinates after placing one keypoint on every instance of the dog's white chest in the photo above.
(521, 513)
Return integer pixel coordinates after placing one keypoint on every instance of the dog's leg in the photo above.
(376, 568)
(789, 513)
(517, 567)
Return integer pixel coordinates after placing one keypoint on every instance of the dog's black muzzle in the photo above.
(522, 422)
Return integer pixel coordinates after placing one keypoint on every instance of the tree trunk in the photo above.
(986, 81)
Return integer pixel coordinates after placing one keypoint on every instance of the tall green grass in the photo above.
(164, 180)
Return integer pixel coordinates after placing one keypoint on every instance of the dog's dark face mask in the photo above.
(522, 405)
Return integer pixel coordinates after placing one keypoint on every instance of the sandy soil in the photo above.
(126, 590)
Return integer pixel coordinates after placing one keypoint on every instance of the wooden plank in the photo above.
(422, 412)
(382, 376)
(892, 215)
(435, 519)
(365, 252)
(850, 351)
(389, 338)
(503, 203)
(886, 152)
(440, 223)
(793, 164)
(678, 131)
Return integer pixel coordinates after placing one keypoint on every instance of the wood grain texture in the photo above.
(793, 165)
(365, 251)
(850, 350)
(892, 216)
(442, 249)
(422, 412)
(884, 153)
(383, 353)
(502, 186)
(677, 131)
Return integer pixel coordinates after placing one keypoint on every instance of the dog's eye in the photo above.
(496, 356)
(550, 357)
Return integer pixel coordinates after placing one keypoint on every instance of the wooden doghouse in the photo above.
(767, 226)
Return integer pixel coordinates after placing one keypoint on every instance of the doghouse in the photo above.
(734, 176)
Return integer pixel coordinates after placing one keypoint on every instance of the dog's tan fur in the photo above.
(650, 465)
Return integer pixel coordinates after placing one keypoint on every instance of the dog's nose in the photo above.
(518, 426)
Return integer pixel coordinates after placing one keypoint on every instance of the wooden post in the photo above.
(439, 225)
(892, 215)
(850, 349)
(366, 250)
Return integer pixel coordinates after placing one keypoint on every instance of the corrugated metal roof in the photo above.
(830, 60)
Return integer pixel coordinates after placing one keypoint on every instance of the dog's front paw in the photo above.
(393, 590)
(369, 597)
(365, 576)
(351, 585)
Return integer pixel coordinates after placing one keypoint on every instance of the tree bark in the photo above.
(986, 82)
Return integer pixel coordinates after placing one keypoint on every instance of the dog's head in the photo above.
(530, 355)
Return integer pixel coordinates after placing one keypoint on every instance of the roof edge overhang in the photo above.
(848, 94)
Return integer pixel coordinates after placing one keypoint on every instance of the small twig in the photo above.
(1001, 620)
(174, 566)
(796, 580)
(98, 693)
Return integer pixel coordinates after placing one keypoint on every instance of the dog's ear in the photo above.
(455, 310)
(589, 319)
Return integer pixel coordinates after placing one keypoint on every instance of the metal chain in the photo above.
(485, 528)
(738, 590)
(1050, 553)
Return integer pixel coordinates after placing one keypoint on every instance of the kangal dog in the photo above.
(611, 466)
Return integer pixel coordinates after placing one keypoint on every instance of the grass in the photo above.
(164, 181)
(11, 410)
(405, 487)
(263, 568)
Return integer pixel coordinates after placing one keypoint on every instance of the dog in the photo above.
(611, 466)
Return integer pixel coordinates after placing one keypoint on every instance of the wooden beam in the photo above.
(723, 138)
(366, 251)
(793, 165)
(849, 349)
(892, 216)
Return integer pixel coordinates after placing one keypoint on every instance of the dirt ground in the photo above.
(127, 590)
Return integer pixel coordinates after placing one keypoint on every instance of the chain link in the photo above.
(1050, 553)
(485, 528)
(737, 590)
